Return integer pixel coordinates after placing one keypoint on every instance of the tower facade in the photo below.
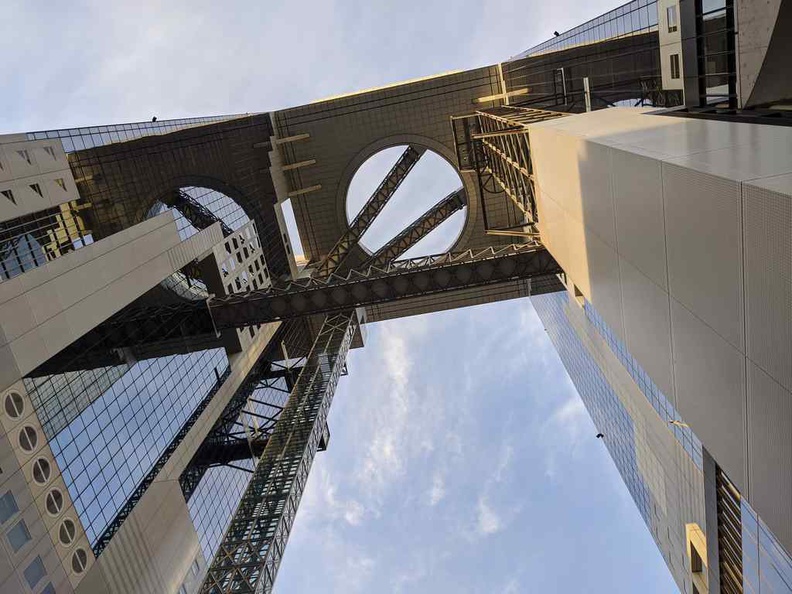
(168, 363)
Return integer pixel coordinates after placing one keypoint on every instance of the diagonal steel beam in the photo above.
(419, 228)
(249, 556)
(372, 208)
(196, 213)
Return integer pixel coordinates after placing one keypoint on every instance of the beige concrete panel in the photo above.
(91, 289)
(552, 226)
(770, 452)
(769, 154)
(709, 375)
(768, 276)
(154, 548)
(647, 326)
(605, 285)
(703, 221)
(640, 227)
(596, 191)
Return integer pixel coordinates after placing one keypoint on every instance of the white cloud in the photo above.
(563, 431)
(438, 490)
(321, 503)
(402, 422)
(488, 521)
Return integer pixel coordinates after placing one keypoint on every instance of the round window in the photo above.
(79, 560)
(54, 502)
(28, 438)
(41, 471)
(14, 405)
(67, 532)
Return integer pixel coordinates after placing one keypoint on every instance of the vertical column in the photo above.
(251, 551)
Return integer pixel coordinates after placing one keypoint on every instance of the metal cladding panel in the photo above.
(770, 452)
(710, 390)
(605, 282)
(647, 325)
(638, 199)
(596, 190)
(768, 277)
(703, 220)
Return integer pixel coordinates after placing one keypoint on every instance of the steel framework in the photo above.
(494, 143)
(427, 275)
(249, 556)
(370, 210)
(402, 279)
(419, 229)
(196, 213)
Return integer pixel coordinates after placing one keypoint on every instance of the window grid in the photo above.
(639, 16)
(108, 448)
(75, 139)
(657, 399)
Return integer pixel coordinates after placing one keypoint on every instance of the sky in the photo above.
(461, 458)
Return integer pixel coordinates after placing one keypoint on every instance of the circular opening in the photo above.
(54, 502)
(28, 438)
(430, 180)
(79, 560)
(67, 532)
(14, 405)
(41, 471)
(196, 208)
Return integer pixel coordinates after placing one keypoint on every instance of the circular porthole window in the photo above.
(54, 502)
(42, 471)
(14, 405)
(28, 438)
(79, 560)
(67, 532)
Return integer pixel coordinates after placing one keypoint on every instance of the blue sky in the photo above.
(461, 459)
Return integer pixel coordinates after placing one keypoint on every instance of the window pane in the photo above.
(19, 536)
(34, 572)
(8, 507)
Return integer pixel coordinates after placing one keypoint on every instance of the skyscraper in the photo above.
(168, 363)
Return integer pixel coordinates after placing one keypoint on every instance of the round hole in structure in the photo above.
(67, 532)
(429, 182)
(14, 405)
(42, 471)
(28, 438)
(194, 209)
(54, 502)
(79, 560)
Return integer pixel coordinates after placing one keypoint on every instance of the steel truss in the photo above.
(249, 556)
(402, 279)
(494, 143)
(428, 275)
(229, 441)
(196, 213)
(419, 228)
(369, 212)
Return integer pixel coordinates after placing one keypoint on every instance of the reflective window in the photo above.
(674, 65)
(34, 572)
(633, 18)
(8, 507)
(671, 17)
(18, 536)
(116, 436)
